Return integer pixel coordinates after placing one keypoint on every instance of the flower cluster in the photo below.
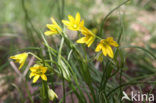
(76, 24)
(88, 38)
(37, 71)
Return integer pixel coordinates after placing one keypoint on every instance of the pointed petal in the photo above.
(44, 77)
(77, 18)
(51, 27)
(21, 65)
(89, 40)
(53, 21)
(35, 78)
(44, 69)
(82, 40)
(114, 43)
(31, 75)
(90, 43)
(12, 57)
(104, 51)
(99, 47)
(110, 51)
(71, 19)
(47, 33)
(65, 22)
(82, 23)
(109, 39)
(33, 69)
(84, 31)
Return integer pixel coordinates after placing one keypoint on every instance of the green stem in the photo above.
(64, 90)
(121, 84)
(98, 37)
(44, 92)
(63, 8)
(35, 56)
(103, 21)
(59, 60)
(28, 24)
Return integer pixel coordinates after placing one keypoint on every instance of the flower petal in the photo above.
(36, 77)
(99, 47)
(21, 65)
(44, 69)
(13, 57)
(31, 75)
(114, 43)
(89, 39)
(65, 22)
(44, 77)
(51, 27)
(82, 23)
(77, 18)
(109, 39)
(104, 51)
(49, 33)
(110, 51)
(71, 19)
(90, 43)
(33, 69)
(82, 40)
(53, 21)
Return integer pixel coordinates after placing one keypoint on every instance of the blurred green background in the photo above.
(22, 21)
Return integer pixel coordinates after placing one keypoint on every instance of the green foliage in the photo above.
(73, 66)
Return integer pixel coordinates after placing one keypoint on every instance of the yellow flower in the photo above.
(20, 58)
(53, 28)
(105, 46)
(37, 71)
(74, 23)
(51, 94)
(89, 37)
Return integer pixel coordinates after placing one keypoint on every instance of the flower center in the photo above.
(39, 71)
(105, 43)
(75, 26)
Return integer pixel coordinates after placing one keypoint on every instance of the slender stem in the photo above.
(103, 75)
(44, 92)
(98, 37)
(35, 56)
(64, 90)
(63, 8)
(28, 21)
(103, 21)
(59, 60)
(121, 84)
